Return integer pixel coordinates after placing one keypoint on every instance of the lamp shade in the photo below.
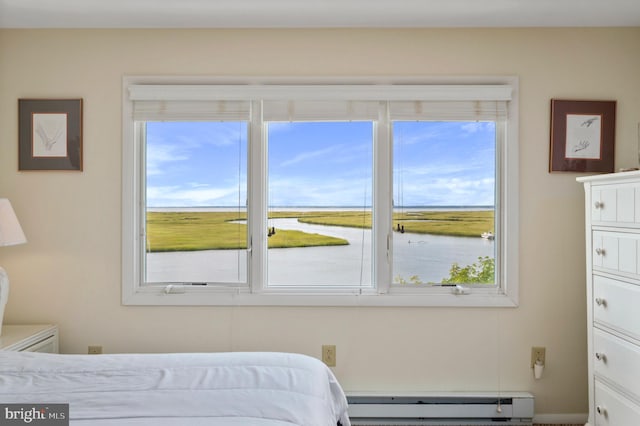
(10, 230)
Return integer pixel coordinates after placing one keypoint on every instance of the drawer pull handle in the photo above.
(600, 301)
(601, 357)
(600, 251)
(601, 410)
(599, 205)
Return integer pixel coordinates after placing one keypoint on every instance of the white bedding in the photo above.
(235, 388)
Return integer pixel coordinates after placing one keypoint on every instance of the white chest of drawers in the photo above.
(613, 297)
(29, 338)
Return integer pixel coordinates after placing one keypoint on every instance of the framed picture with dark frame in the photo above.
(50, 134)
(582, 136)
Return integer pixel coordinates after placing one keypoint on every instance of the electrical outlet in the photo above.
(94, 350)
(329, 355)
(538, 354)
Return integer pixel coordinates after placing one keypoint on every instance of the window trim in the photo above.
(454, 88)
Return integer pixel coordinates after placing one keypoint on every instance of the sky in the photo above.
(204, 164)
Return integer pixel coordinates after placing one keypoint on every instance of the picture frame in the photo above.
(582, 136)
(50, 134)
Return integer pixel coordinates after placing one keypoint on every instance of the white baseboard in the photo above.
(558, 419)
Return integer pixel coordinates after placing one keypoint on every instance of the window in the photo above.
(323, 194)
(196, 191)
(444, 202)
(321, 172)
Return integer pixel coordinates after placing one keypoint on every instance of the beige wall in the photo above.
(69, 272)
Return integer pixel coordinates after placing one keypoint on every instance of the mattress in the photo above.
(248, 388)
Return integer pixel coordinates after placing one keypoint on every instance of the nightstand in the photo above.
(29, 338)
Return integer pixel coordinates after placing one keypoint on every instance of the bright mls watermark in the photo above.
(34, 414)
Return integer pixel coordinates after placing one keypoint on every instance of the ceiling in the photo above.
(316, 13)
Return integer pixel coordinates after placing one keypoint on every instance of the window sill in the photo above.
(437, 297)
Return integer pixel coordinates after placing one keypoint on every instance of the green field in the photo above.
(190, 231)
(186, 231)
(456, 223)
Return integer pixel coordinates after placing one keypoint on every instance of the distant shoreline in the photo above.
(317, 208)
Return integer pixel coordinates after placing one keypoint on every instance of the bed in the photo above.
(235, 388)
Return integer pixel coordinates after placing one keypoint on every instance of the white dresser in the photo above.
(29, 338)
(613, 297)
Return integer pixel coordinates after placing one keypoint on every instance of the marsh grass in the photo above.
(191, 231)
(454, 223)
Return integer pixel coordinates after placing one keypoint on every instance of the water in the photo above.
(327, 265)
(427, 256)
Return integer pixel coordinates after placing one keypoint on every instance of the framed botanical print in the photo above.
(582, 136)
(50, 134)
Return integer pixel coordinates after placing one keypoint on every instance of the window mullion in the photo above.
(504, 195)
(141, 205)
(257, 199)
(382, 202)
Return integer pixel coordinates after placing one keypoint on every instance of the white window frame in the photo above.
(505, 294)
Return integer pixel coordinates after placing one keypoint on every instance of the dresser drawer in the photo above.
(616, 253)
(616, 360)
(48, 345)
(616, 205)
(613, 409)
(615, 305)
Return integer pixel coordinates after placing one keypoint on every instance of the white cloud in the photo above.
(160, 155)
(311, 155)
(448, 191)
(474, 127)
(326, 192)
(191, 195)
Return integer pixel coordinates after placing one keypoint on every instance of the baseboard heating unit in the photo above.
(445, 409)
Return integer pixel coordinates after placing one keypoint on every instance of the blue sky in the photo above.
(320, 164)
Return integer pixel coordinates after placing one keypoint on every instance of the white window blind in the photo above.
(449, 110)
(361, 92)
(161, 110)
(347, 102)
(320, 110)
